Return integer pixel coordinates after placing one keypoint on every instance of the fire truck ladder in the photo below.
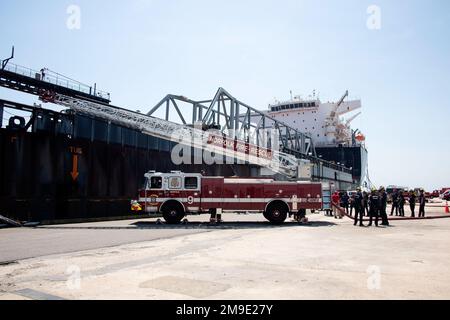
(281, 163)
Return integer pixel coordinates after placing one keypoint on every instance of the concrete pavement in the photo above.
(328, 259)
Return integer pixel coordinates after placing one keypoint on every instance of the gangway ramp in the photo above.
(45, 83)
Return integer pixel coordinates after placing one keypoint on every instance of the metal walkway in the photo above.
(45, 83)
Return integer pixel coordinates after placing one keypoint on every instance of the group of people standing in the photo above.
(374, 205)
(398, 203)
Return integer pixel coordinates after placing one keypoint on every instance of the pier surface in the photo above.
(244, 257)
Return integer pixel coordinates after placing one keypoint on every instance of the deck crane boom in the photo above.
(349, 120)
(338, 104)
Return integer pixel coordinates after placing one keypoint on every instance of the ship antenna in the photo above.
(291, 95)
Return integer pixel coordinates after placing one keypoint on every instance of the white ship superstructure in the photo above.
(328, 126)
(323, 122)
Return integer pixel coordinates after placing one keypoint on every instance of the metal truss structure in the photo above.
(236, 119)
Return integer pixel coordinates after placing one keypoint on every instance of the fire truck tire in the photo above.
(173, 213)
(276, 213)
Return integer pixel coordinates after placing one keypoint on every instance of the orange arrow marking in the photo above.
(74, 172)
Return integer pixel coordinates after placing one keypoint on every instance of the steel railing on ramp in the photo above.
(10, 222)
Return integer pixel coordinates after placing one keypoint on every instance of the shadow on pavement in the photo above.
(153, 225)
(231, 225)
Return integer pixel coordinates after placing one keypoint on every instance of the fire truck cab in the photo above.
(177, 194)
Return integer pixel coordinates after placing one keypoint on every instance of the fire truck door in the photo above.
(211, 193)
(192, 193)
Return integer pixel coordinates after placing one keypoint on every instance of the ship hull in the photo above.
(351, 157)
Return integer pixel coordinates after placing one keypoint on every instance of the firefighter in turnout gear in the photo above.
(345, 201)
(352, 203)
(383, 202)
(394, 203)
(401, 204)
(412, 203)
(374, 204)
(365, 208)
(358, 205)
(422, 202)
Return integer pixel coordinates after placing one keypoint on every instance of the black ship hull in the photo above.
(351, 157)
(40, 182)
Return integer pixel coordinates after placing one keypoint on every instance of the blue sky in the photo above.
(141, 50)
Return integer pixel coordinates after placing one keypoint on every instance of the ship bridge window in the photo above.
(155, 183)
(191, 183)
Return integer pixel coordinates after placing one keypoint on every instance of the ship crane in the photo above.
(336, 107)
(350, 120)
(333, 125)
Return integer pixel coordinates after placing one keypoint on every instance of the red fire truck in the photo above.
(178, 194)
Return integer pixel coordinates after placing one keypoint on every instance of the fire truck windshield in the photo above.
(155, 183)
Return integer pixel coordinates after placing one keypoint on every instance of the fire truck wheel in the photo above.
(173, 213)
(276, 213)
